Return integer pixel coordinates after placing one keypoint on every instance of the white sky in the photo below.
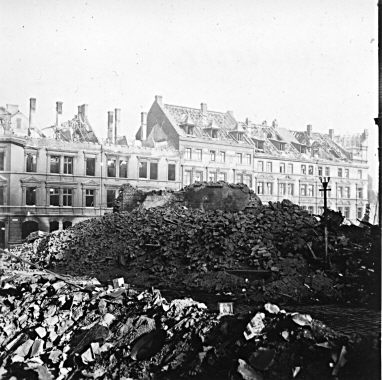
(301, 62)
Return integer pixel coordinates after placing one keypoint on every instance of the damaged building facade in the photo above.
(51, 183)
(275, 162)
(54, 177)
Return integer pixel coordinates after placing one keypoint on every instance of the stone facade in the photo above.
(275, 162)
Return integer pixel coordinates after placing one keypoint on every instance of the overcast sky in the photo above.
(300, 62)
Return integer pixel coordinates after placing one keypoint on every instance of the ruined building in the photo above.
(53, 177)
(275, 162)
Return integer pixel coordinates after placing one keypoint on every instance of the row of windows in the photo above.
(64, 197)
(190, 176)
(197, 155)
(266, 188)
(305, 169)
(345, 211)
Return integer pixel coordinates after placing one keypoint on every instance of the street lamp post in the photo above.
(325, 189)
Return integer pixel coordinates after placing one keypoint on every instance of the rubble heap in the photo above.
(167, 239)
(75, 329)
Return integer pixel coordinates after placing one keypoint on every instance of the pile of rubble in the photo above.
(72, 328)
(176, 247)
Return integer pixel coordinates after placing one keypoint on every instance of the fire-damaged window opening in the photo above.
(31, 163)
(110, 197)
(54, 197)
(310, 170)
(90, 166)
(171, 172)
(2, 195)
(303, 190)
(320, 171)
(67, 197)
(55, 164)
(339, 172)
(30, 196)
(327, 171)
(282, 167)
(212, 155)
(2, 160)
(111, 167)
(68, 165)
(303, 169)
(89, 197)
(122, 169)
(143, 169)
(346, 173)
(153, 170)
(260, 188)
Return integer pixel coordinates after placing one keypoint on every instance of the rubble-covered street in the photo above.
(66, 313)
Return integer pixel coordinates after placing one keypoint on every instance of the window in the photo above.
(198, 154)
(360, 192)
(89, 197)
(310, 170)
(171, 172)
(239, 158)
(222, 176)
(340, 193)
(339, 172)
(290, 168)
(239, 178)
(90, 166)
(269, 167)
(187, 177)
(303, 169)
(211, 176)
(122, 169)
(198, 177)
(321, 209)
(188, 153)
(1, 195)
(347, 212)
(320, 171)
(340, 209)
(310, 209)
(282, 187)
(153, 170)
(260, 188)
(68, 165)
(248, 159)
(67, 197)
(111, 167)
(269, 188)
(359, 213)
(30, 196)
(222, 156)
(214, 133)
(31, 162)
(54, 164)
(282, 167)
(260, 166)
(290, 189)
(53, 226)
(327, 171)
(2, 159)
(143, 169)
(212, 155)
(303, 190)
(248, 180)
(360, 174)
(347, 192)
(311, 191)
(54, 197)
(110, 197)
(347, 173)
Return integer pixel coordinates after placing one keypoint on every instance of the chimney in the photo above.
(84, 111)
(159, 99)
(117, 122)
(143, 126)
(331, 133)
(110, 116)
(58, 113)
(309, 129)
(203, 107)
(32, 113)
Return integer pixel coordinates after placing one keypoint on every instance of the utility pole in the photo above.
(325, 189)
